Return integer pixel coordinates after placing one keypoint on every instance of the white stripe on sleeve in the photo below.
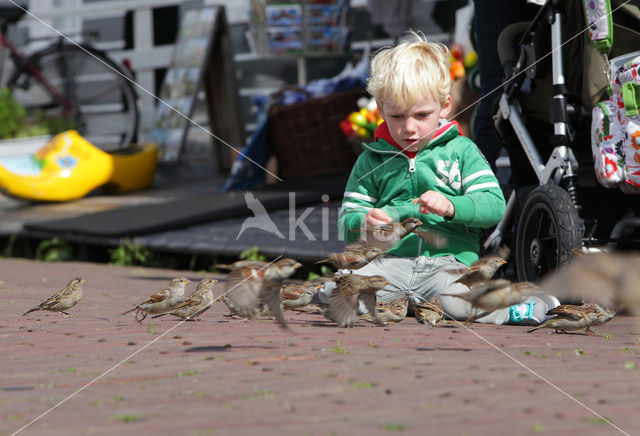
(349, 205)
(476, 175)
(360, 196)
(481, 186)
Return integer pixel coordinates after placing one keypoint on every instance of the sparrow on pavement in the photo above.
(62, 300)
(569, 317)
(196, 303)
(249, 289)
(162, 301)
(479, 271)
(385, 236)
(429, 312)
(353, 257)
(297, 295)
(495, 294)
(389, 311)
(345, 298)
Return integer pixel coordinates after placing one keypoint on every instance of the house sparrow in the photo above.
(432, 237)
(344, 299)
(196, 303)
(479, 271)
(62, 300)
(389, 311)
(249, 289)
(384, 236)
(495, 294)
(429, 312)
(571, 317)
(297, 295)
(163, 300)
(609, 279)
(353, 257)
(242, 264)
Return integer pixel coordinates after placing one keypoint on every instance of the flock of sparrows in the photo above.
(606, 282)
(167, 301)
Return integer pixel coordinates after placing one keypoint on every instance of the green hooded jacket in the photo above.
(384, 177)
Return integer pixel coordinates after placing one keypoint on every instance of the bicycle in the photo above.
(76, 84)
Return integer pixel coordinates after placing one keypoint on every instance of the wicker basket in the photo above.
(306, 138)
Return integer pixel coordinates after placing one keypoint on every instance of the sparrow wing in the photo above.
(569, 311)
(53, 300)
(270, 295)
(192, 300)
(369, 300)
(432, 237)
(242, 289)
(483, 288)
(292, 291)
(161, 295)
(343, 302)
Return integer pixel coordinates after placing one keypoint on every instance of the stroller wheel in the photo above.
(548, 229)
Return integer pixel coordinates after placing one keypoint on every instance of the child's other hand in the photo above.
(376, 216)
(435, 202)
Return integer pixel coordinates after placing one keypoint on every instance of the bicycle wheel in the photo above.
(548, 229)
(87, 91)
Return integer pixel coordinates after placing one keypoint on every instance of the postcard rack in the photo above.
(299, 27)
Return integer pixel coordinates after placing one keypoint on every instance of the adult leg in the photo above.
(490, 18)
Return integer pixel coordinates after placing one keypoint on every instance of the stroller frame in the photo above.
(555, 199)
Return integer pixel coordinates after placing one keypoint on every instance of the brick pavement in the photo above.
(225, 376)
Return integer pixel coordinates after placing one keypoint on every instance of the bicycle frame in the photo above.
(21, 61)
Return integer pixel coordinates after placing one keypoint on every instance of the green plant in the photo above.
(339, 349)
(12, 114)
(128, 253)
(53, 250)
(252, 253)
(40, 123)
(126, 418)
(17, 122)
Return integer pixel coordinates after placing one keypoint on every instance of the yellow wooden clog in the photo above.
(68, 167)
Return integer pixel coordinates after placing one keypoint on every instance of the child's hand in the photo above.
(376, 216)
(435, 202)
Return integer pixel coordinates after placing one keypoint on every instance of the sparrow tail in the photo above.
(534, 329)
(33, 309)
(321, 261)
(159, 315)
(130, 310)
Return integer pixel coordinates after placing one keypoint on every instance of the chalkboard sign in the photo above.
(202, 42)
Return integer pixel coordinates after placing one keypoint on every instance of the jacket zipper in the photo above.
(412, 164)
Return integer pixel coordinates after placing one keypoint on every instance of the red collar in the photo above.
(382, 132)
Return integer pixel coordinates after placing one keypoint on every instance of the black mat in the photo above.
(138, 220)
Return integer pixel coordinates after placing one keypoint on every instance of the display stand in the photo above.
(202, 60)
(299, 28)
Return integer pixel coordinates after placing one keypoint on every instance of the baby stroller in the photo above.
(556, 74)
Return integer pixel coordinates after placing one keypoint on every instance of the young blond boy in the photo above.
(417, 153)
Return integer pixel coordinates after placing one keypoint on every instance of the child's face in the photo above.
(413, 128)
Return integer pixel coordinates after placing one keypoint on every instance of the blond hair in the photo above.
(410, 70)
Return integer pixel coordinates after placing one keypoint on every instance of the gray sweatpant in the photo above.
(419, 278)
